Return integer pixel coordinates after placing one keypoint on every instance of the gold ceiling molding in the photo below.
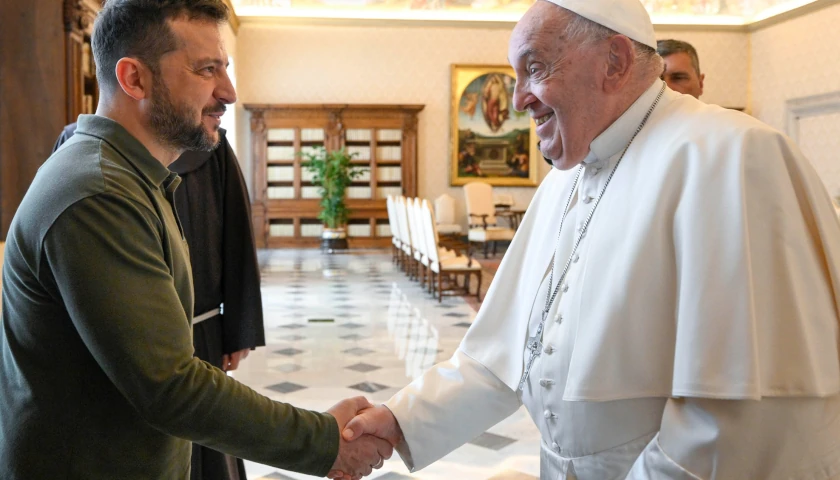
(791, 14)
(477, 24)
(506, 20)
(375, 22)
(234, 18)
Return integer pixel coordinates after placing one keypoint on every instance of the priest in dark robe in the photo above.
(213, 206)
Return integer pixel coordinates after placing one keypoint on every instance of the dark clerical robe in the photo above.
(213, 205)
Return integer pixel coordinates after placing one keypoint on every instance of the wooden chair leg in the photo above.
(485, 249)
(478, 290)
(440, 286)
(495, 243)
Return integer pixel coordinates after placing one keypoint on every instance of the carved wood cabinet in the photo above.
(47, 81)
(82, 89)
(285, 204)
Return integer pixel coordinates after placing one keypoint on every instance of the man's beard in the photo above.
(173, 122)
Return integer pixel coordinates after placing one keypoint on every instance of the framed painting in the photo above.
(489, 140)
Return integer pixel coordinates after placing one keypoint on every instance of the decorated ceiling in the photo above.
(689, 12)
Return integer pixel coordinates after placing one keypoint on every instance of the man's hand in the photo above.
(231, 362)
(377, 421)
(358, 458)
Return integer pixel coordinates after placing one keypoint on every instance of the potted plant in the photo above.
(333, 172)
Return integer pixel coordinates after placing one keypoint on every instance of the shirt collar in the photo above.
(613, 140)
(129, 147)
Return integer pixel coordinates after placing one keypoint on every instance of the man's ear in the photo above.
(620, 60)
(134, 78)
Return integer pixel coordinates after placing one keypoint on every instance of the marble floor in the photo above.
(350, 324)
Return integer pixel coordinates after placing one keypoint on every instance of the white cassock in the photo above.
(696, 332)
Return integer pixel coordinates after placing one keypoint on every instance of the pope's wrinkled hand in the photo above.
(359, 457)
(377, 421)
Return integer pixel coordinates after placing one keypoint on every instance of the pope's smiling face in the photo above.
(557, 82)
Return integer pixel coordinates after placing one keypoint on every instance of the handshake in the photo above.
(367, 437)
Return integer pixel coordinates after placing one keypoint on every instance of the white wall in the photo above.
(229, 119)
(795, 59)
(760, 70)
(342, 64)
(724, 59)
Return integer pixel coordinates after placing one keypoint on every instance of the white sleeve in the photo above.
(654, 463)
(449, 405)
(708, 439)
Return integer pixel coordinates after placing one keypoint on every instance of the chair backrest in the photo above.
(503, 199)
(420, 243)
(430, 230)
(402, 216)
(445, 209)
(392, 217)
(416, 233)
(479, 196)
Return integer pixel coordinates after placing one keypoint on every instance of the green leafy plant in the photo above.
(333, 172)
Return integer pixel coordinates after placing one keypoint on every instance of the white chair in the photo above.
(503, 200)
(445, 215)
(482, 217)
(405, 234)
(418, 242)
(443, 263)
(414, 237)
(395, 232)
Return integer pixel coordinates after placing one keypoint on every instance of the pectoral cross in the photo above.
(535, 346)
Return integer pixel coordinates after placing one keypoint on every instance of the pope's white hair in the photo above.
(585, 32)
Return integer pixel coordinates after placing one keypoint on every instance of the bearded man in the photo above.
(97, 370)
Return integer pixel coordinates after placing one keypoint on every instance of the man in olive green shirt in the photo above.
(97, 372)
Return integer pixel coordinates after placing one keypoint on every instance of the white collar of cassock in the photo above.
(505, 314)
(613, 140)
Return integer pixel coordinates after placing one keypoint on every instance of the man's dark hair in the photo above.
(139, 29)
(671, 46)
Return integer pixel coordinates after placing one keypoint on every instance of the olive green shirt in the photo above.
(97, 374)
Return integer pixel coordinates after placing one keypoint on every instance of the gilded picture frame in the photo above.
(489, 140)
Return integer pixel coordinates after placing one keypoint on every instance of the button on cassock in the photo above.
(546, 382)
(548, 414)
(558, 318)
(549, 349)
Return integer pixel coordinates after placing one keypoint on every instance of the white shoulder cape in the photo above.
(710, 269)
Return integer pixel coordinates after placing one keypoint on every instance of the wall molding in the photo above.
(425, 23)
(233, 19)
(791, 14)
(508, 24)
(810, 106)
